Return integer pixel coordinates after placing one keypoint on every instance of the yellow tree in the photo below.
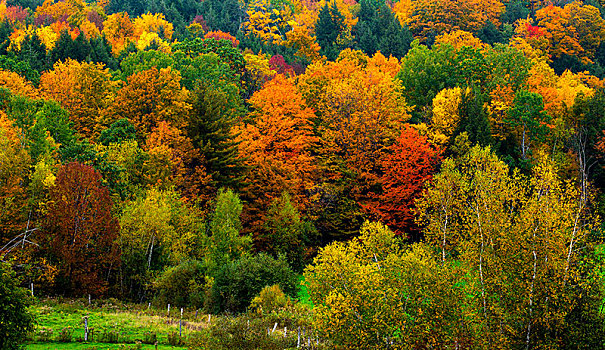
(443, 16)
(369, 293)
(301, 36)
(267, 22)
(17, 84)
(574, 30)
(14, 169)
(523, 239)
(446, 116)
(360, 108)
(149, 97)
(84, 89)
(174, 162)
(460, 38)
(119, 31)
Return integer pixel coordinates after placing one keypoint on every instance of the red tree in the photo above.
(410, 165)
(81, 231)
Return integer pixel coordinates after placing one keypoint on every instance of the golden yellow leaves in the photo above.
(445, 117)
(443, 16)
(460, 38)
(267, 23)
(360, 105)
(84, 89)
(17, 84)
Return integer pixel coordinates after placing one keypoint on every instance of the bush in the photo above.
(274, 306)
(15, 320)
(43, 334)
(175, 339)
(241, 333)
(149, 338)
(65, 335)
(183, 285)
(109, 336)
(241, 280)
(270, 299)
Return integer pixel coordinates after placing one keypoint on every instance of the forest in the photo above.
(372, 174)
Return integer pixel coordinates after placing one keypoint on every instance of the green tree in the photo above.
(211, 130)
(224, 228)
(157, 229)
(530, 120)
(287, 233)
(239, 281)
(329, 26)
(377, 29)
(15, 319)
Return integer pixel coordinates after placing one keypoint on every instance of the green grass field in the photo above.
(60, 325)
(94, 346)
(115, 325)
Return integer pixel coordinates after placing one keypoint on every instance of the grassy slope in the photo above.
(130, 322)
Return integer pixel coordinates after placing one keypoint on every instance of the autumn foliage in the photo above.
(81, 230)
(406, 172)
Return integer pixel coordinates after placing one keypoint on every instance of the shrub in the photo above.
(241, 333)
(270, 299)
(274, 306)
(241, 280)
(149, 338)
(175, 339)
(183, 285)
(109, 336)
(65, 335)
(43, 334)
(15, 320)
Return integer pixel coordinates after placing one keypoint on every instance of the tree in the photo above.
(14, 170)
(521, 237)
(528, 115)
(239, 281)
(424, 73)
(435, 17)
(574, 30)
(173, 161)
(80, 231)
(406, 172)
(226, 243)
(149, 97)
(226, 16)
(287, 234)
(84, 89)
(329, 27)
(276, 145)
(16, 321)
(371, 292)
(377, 29)
(211, 128)
(157, 228)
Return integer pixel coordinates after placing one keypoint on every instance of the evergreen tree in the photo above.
(329, 26)
(78, 49)
(210, 128)
(474, 119)
(377, 29)
(224, 15)
(100, 52)
(6, 29)
(34, 53)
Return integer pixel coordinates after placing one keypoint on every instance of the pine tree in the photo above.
(210, 128)
(329, 26)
